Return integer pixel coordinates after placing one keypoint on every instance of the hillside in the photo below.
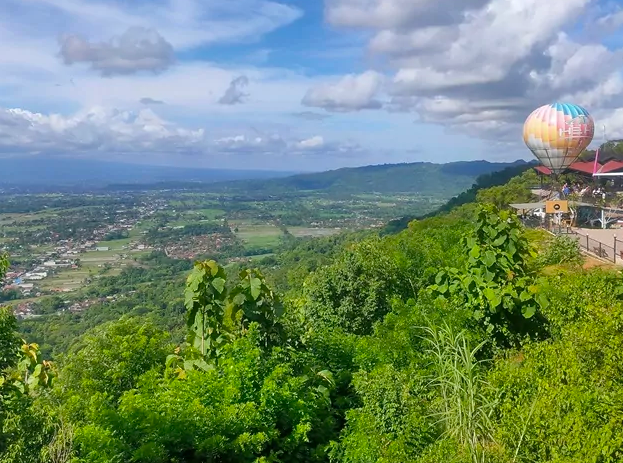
(419, 177)
(482, 182)
(425, 178)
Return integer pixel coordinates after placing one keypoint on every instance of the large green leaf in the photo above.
(528, 310)
(219, 284)
(256, 287)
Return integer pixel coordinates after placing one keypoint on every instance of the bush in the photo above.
(561, 250)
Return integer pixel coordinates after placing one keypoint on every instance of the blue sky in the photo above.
(298, 84)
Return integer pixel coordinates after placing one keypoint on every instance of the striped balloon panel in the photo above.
(558, 133)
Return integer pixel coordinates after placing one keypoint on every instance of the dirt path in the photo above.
(591, 262)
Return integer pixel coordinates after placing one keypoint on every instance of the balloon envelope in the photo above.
(558, 133)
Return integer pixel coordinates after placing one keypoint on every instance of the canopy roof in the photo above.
(528, 205)
(587, 167)
(539, 205)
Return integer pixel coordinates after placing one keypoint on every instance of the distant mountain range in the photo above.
(427, 178)
(88, 173)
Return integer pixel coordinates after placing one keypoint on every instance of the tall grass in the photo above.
(464, 411)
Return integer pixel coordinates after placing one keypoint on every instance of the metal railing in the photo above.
(612, 253)
(598, 248)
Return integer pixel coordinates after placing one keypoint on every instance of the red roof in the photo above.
(611, 166)
(585, 167)
(544, 170)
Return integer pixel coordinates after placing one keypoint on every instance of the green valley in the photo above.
(461, 337)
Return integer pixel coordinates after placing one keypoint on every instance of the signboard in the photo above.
(556, 207)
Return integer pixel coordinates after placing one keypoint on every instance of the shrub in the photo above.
(561, 250)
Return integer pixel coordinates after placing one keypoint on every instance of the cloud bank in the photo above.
(478, 66)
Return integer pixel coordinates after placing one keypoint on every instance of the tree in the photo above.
(205, 301)
(253, 301)
(354, 292)
(4, 265)
(496, 284)
(109, 359)
(217, 315)
(23, 374)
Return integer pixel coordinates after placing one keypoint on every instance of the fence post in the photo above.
(601, 254)
(615, 249)
(587, 241)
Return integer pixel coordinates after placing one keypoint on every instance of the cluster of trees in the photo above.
(163, 236)
(451, 341)
(20, 204)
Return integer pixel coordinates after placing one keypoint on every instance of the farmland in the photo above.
(63, 243)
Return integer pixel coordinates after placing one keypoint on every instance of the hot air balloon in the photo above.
(557, 133)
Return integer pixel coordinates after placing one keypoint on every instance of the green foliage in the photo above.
(451, 179)
(217, 314)
(22, 370)
(568, 390)
(4, 264)
(23, 377)
(253, 301)
(9, 340)
(31, 373)
(496, 283)
(517, 190)
(465, 411)
(352, 293)
(514, 185)
(109, 359)
(253, 408)
(205, 301)
(346, 374)
(561, 250)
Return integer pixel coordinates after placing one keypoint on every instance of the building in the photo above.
(102, 248)
(587, 169)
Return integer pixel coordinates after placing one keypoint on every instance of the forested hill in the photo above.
(484, 181)
(420, 177)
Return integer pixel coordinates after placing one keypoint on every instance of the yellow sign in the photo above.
(555, 207)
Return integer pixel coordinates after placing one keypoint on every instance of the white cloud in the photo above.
(276, 145)
(350, 93)
(611, 21)
(613, 120)
(311, 116)
(137, 49)
(149, 101)
(104, 132)
(311, 143)
(575, 66)
(489, 43)
(34, 75)
(244, 144)
(100, 130)
(396, 14)
(481, 67)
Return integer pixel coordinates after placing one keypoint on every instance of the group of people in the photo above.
(583, 191)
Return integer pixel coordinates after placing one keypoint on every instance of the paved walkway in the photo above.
(606, 237)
